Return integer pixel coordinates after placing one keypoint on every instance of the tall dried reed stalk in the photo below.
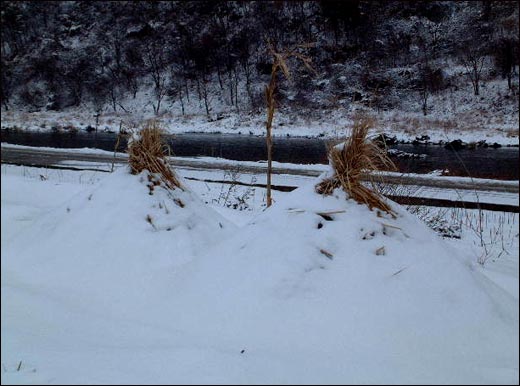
(148, 152)
(357, 157)
(279, 64)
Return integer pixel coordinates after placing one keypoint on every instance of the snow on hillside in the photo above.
(454, 115)
(313, 290)
(203, 66)
(459, 118)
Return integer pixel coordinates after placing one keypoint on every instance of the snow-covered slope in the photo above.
(314, 290)
(111, 244)
(315, 302)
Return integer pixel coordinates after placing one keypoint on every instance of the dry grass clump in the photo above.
(147, 151)
(354, 160)
(279, 64)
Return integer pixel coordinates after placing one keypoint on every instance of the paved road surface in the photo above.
(434, 191)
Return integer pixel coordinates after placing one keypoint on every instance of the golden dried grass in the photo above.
(354, 162)
(148, 152)
(279, 64)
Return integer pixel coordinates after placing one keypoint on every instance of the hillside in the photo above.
(417, 66)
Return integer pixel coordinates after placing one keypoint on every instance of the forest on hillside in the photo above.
(56, 55)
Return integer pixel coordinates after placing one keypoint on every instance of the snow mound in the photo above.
(114, 243)
(322, 290)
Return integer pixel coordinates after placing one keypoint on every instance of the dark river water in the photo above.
(502, 163)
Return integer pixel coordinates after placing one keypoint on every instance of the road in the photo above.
(437, 191)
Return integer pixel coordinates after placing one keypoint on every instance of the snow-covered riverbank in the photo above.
(405, 127)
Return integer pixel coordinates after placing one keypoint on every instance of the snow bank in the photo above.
(313, 290)
(109, 244)
(318, 300)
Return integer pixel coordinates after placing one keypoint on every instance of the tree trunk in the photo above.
(219, 77)
(230, 76)
(186, 88)
(181, 100)
(476, 87)
(248, 82)
(157, 107)
(236, 90)
(199, 92)
(205, 95)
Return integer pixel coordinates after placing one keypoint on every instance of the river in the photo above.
(501, 163)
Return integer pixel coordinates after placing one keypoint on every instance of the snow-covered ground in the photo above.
(103, 282)
(454, 115)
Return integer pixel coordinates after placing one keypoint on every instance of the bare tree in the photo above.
(477, 41)
(504, 59)
(424, 94)
(132, 69)
(156, 67)
(5, 85)
(473, 60)
(204, 93)
(175, 87)
(424, 89)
